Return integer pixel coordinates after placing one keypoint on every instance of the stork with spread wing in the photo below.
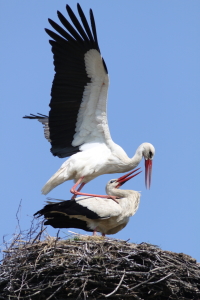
(77, 124)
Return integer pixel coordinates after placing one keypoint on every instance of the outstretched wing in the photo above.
(79, 91)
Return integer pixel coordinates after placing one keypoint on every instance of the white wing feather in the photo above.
(92, 124)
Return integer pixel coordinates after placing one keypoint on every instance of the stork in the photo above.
(77, 124)
(95, 214)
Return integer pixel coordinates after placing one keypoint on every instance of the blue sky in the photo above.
(151, 49)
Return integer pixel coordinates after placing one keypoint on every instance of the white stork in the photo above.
(77, 124)
(95, 214)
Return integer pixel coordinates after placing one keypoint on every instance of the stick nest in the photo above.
(95, 268)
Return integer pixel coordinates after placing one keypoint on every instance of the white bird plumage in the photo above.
(93, 213)
(96, 161)
(77, 125)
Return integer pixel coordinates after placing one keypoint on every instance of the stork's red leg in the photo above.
(95, 233)
(80, 187)
(77, 192)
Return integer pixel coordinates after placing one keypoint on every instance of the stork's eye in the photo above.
(112, 181)
(150, 154)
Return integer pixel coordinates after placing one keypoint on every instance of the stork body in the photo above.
(95, 214)
(77, 124)
(92, 163)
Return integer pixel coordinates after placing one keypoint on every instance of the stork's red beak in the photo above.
(126, 177)
(148, 172)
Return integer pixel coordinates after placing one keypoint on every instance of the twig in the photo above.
(29, 296)
(158, 268)
(57, 238)
(58, 289)
(82, 291)
(18, 210)
(161, 279)
(38, 235)
(141, 283)
(115, 290)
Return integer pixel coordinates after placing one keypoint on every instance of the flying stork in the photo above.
(95, 214)
(77, 124)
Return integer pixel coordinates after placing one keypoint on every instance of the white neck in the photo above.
(126, 163)
(118, 193)
(133, 162)
(136, 159)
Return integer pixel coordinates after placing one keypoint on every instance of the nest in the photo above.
(95, 268)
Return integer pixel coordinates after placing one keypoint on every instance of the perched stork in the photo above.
(77, 124)
(95, 214)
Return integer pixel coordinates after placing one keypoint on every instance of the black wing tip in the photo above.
(47, 30)
(37, 116)
(46, 210)
(93, 25)
(68, 8)
(79, 34)
(38, 214)
(91, 13)
(79, 7)
(59, 14)
(50, 21)
(31, 116)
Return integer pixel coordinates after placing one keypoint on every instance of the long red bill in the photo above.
(121, 180)
(148, 172)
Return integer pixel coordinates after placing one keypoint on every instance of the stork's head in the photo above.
(148, 153)
(116, 183)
